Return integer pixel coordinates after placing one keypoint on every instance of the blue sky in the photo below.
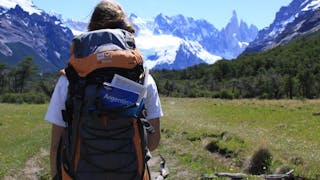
(218, 12)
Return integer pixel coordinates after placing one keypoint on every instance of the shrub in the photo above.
(225, 94)
(264, 96)
(11, 98)
(260, 162)
(19, 98)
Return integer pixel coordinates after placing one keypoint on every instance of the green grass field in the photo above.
(23, 132)
(289, 129)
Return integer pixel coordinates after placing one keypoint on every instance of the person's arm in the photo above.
(154, 138)
(56, 133)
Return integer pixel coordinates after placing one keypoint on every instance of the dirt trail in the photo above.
(154, 165)
(31, 169)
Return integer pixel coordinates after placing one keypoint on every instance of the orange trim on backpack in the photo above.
(127, 59)
(77, 151)
(137, 143)
(146, 175)
(64, 175)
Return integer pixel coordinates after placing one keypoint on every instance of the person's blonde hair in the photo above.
(109, 15)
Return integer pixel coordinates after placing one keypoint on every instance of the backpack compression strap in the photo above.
(127, 59)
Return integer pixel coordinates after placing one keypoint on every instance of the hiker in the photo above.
(109, 16)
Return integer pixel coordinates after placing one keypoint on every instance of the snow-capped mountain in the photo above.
(77, 27)
(298, 18)
(167, 50)
(178, 42)
(235, 37)
(198, 38)
(26, 5)
(28, 31)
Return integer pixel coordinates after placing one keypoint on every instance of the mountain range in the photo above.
(177, 42)
(166, 42)
(174, 42)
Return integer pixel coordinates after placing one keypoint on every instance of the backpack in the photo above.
(103, 141)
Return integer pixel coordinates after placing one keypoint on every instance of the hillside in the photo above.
(39, 35)
(299, 18)
(287, 71)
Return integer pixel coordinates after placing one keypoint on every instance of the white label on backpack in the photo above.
(100, 56)
(104, 57)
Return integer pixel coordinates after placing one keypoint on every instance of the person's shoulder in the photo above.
(150, 80)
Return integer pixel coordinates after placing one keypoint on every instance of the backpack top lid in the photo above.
(104, 48)
(95, 41)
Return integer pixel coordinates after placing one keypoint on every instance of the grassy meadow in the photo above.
(23, 133)
(199, 136)
(289, 129)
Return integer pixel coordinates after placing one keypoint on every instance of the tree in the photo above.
(21, 73)
(306, 81)
(273, 84)
(221, 70)
(288, 86)
(170, 86)
(3, 67)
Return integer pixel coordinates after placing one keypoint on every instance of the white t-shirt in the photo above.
(57, 102)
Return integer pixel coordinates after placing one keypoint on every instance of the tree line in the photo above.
(288, 71)
(23, 83)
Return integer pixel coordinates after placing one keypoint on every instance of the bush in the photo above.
(11, 98)
(225, 94)
(260, 162)
(264, 96)
(19, 98)
(193, 93)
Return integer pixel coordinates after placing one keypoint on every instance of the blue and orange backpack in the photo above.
(102, 142)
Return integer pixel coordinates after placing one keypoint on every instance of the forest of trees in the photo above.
(23, 83)
(289, 71)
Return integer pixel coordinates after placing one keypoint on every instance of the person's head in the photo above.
(109, 15)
